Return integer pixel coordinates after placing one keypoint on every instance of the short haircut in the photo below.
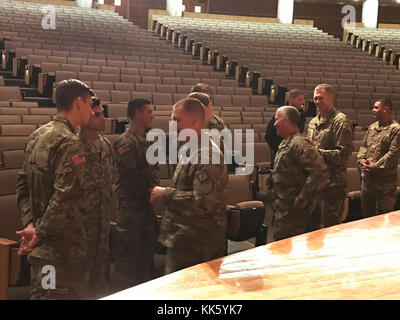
(291, 113)
(202, 87)
(67, 91)
(95, 102)
(294, 93)
(204, 99)
(327, 87)
(136, 104)
(386, 102)
(192, 107)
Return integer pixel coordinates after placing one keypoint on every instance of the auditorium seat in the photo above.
(13, 111)
(353, 189)
(123, 86)
(10, 93)
(10, 119)
(9, 218)
(103, 85)
(36, 119)
(13, 142)
(162, 98)
(17, 129)
(12, 158)
(142, 95)
(222, 100)
(8, 178)
(118, 96)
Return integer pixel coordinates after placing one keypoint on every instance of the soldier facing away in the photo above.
(99, 205)
(49, 196)
(194, 226)
(136, 229)
(332, 133)
(378, 157)
(299, 174)
(212, 121)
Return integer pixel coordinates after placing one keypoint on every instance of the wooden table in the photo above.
(356, 260)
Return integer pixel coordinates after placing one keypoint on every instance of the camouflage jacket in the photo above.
(381, 146)
(99, 204)
(50, 189)
(299, 169)
(135, 175)
(196, 202)
(215, 122)
(333, 137)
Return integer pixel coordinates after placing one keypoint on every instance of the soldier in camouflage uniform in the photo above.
(136, 230)
(299, 174)
(332, 133)
(212, 121)
(378, 157)
(99, 205)
(194, 226)
(49, 193)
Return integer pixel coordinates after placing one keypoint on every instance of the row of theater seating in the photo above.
(280, 69)
(384, 36)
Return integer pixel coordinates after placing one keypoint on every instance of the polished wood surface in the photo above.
(356, 260)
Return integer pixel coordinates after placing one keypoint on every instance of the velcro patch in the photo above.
(203, 176)
(122, 150)
(77, 159)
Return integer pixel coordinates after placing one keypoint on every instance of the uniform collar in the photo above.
(65, 121)
(331, 113)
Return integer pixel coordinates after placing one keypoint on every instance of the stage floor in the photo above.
(355, 260)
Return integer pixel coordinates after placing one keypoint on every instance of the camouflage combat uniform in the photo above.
(215, 122)
(195, 223)
(299, 170)
(49, 193)
(98, 207)
(381, 146)
(136, 230)
(333, 137)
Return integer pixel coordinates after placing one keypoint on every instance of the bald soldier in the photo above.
(212, 121)
(49, 197)
(195, 223)
(378, 157)
(332, 133)
(299, 174)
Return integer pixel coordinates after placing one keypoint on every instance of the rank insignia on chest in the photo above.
(77, 159)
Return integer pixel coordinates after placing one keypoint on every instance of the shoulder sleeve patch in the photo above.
(78, 159)
(202, 176)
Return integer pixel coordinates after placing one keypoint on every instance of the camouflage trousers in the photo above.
(71, 281)
(134, 248)
(289, 221)
(329, 209)
(377, 197)
(98, 254)
(187, 256)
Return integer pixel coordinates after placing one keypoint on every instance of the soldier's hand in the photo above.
(156, 194)
(369, 165)
(29, 239)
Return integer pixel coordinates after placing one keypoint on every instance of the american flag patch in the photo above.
(77, 159)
